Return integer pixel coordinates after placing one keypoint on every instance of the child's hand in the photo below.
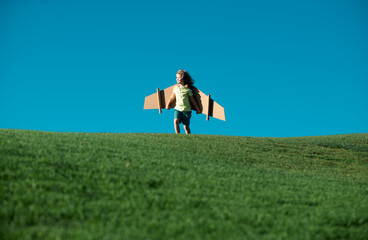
(198, 111)
(167, 107)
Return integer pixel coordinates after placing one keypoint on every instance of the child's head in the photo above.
(180, 76)
(184, 78)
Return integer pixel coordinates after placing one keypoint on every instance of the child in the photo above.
(184, 96)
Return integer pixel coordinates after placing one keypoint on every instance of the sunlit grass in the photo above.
(166, 186)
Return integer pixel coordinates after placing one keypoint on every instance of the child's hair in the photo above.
(188, 80)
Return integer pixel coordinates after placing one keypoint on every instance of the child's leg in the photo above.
(187, 129)
(177, 121)
(186, 121)
(176, 125)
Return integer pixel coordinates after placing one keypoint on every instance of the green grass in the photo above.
(166, 186)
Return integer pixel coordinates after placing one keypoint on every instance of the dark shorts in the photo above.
(184, 117)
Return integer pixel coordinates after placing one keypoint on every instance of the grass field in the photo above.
(166, 186)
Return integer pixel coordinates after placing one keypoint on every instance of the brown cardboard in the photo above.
(208, 107)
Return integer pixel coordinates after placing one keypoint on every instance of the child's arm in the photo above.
(170, 101)
(194, 102)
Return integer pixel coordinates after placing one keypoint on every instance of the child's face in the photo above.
(179, 79)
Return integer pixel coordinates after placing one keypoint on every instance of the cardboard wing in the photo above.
(159, 99)
(208, 107)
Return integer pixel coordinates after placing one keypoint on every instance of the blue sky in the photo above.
(279, 68)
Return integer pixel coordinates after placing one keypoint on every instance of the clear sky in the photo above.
(279, 68)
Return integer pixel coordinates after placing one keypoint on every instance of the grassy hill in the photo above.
(166, 186)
